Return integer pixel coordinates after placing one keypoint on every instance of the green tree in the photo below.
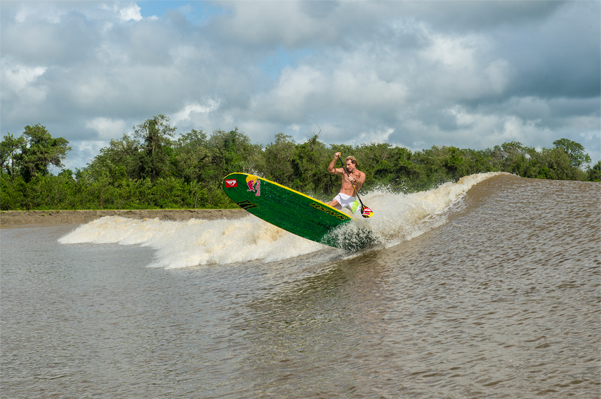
(119, 161)
(553, 163)
(151, 171)
(12, 192)
(9, 150)
(383, 164)
(310, 164)
(40, 150)
(574, 150)
(190, 154)
(278, 159)
(594, 173)
(232, 152)
(155, 135)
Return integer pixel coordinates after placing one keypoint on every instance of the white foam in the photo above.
(401, 217)
(397, 217)
(197, 242)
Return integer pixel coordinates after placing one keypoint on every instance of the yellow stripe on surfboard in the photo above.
(289, 189)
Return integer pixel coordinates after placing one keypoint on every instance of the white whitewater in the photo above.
(397, 218)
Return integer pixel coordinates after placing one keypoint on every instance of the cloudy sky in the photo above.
(415, 74)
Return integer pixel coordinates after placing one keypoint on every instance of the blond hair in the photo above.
(353, 160)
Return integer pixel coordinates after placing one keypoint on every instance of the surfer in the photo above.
(353, 176)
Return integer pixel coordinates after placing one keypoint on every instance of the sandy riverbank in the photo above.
(10, 219)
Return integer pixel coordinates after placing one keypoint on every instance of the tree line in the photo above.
(152, 169)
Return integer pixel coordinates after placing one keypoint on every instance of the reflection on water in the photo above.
(316, 328)
(501, 301)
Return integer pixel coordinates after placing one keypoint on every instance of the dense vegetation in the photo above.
(151, 169)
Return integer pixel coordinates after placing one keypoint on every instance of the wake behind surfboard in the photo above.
(292, 211)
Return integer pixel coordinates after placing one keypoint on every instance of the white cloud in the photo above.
(308, 90)
(18, 77)
(107, 128)
(410, 73)
(131, 12)
(256, 23)
(515, 129)
(83, 152)
(293, 95)
(374, 136)
(87, 92)
(192, 112)
(22, 92)
(498, 74)
(126, 13)
(453, 53)
(38, 11)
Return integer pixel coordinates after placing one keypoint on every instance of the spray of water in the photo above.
(397, 218)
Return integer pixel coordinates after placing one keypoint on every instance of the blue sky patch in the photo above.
(273, 63)
(196, 12)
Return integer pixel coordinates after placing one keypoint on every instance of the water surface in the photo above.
(486, 288)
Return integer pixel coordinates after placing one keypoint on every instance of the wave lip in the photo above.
(401, 217)
(196, 242)
(397, 218)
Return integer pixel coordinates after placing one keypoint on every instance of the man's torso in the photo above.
(347, 187)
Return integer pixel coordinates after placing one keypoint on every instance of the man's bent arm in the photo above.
(332, 166)
(361, 178)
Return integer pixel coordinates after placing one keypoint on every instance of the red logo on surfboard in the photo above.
(254, 185)
(231, 183)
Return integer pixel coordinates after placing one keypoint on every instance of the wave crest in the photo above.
(397, 218)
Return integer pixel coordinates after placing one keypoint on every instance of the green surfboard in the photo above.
(288, 209)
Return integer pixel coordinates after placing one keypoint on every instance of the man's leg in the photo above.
(335, 204)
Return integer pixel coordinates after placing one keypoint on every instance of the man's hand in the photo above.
(337, 155)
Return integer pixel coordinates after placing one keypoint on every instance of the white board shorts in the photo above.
(348, 202)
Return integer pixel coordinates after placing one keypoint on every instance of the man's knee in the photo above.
(334, 204)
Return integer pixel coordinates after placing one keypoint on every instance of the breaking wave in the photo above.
(397, 218)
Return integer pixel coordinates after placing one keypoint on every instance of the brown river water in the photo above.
(487, 288)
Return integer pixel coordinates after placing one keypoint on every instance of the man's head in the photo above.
(351, 163)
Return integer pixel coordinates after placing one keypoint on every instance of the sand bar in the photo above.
(10, 219)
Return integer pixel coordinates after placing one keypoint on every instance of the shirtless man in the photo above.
(346, 197)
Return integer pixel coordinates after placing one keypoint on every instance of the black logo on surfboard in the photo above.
(331, 212)
(246, 205)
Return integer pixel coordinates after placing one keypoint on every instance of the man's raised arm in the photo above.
(332, 166)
